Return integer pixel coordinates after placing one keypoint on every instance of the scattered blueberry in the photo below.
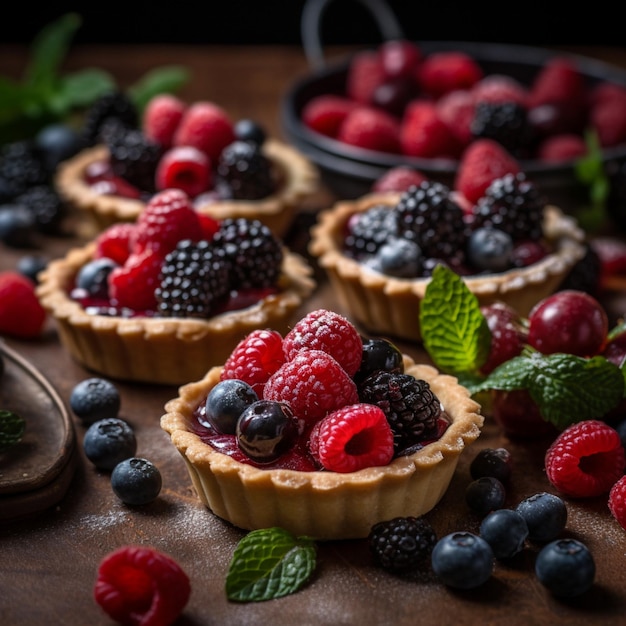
(484, 495)
(505, 531)
(95, 399)
(30, 265)
(545, 515)
(462, 560)
(16, 226)
(109, 441)
(566, 568)
(226, 402)
(57, 142)
(93, 276)
(495, 462)
(136, 481)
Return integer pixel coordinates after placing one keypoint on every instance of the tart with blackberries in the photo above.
(165, 298)
(379, 251)
(228, 168)
(320, 431)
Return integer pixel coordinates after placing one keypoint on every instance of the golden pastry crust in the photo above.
(390, 306)
(324, 505)
(298, 178)
(168, 351)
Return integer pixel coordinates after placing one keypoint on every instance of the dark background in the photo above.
(550, 22)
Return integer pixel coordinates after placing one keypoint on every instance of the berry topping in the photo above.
(93, 277)
(378, 354)
(398, 178)
(21, 314)
(161, 118)
(545, 515)
(140, 586)
(243, 172)
(401, 544)
(586, 459)
(133, 284)
(136, 481)
(186, 168)
(250, 130)
(490, 250)
(617, 501)
(369, 230)
(108, 442)
(95, 399)
(114, 106)
(462, 560)
(226, 402)
(566, 568)
(116, 242)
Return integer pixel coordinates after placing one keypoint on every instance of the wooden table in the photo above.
(48, 564)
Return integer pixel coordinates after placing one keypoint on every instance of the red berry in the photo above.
(398, 178)
(325, 114)
(116, 242)
(208, 225)
(507, 334)
(133, 284)
(559, 80)
(186, 168)
(456, 110)
(255, 358)
(608, 119)
(612, 253)
(519, 417)
(424, 134)
(21, 314)
(140, 586)
(559, 148)
(365, 74)
(617, 501)
(367, 127)
(162, 117)
(313, 384)
(330, 332)
(499, 88)
(442, 72)
(586, 459)
(572, 322)
(399, 58)
(352, 438)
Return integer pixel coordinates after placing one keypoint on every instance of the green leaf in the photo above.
(269, 563)
(80, 89)
(12, 427)
(165, 79)
(454, 330)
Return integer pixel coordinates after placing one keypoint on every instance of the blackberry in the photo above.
(512, 204)
(250, 130)
(194, 281)
(46, 206)
(411, 407)
(586, 273)
(254, 252)
(369, 231)
(506, 123)
(21, 167)
(115, 105)
(427, 215)
(401, 544)
(134, 158)
(243, 172)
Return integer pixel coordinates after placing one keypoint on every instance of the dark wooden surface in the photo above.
(48, 563)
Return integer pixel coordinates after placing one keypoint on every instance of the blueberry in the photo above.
(545, 515)
(566, 568)
(620, 427)
(495, 462)
(398, 257)
(30, 265)
(378, 354)
(249, 130)
(136, 481)
(266, 430)
(108, 442)
(57, 142)
(93, 277)
(17, 225)
(462, 560)
(484, 495)
(226, 402)
(95, 399)
(490, 249)
(505, 531)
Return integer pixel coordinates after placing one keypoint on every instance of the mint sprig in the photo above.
(269, 563)
(12, 427)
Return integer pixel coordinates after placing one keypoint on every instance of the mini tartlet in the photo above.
(161, 350)
(390, 306)
(322, 504)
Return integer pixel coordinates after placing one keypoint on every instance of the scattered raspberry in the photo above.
(116, 242)
(313, 384)
(398, 178)
(167, 219)
(365, 74)
(352, 438)
(325, 114)
(559, 148)
(586, 459)
(207, 127)
(456, 110)
(21, 314)
(481, 163)
(442, 72)
(133, 284)
(608, 118)
(186, 168)
(617, 501)
(559, 80)
(370, 128)
(424, 134)
(162, 117)
(139, 586)
(499, 88)
(330, 332)
(255, 358)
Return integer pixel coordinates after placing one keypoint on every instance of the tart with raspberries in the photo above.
(228, 168)
(300, 431)
(494, 230)
(165, 298)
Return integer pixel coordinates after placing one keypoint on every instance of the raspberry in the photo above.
(424, 134)
(442, 72)
(330, 332)
(398, 178)
(617, 501)
(313, 384)
(365, 74)
(399, 58)
(563, 147)
(167, 219)
(116, 242)
(481, 163)
(456, 111)
(559, 80)
(133, 284)
(608, 118)
(186, 168)
(499, 88)
(255, 358)
(586, 459)
(369, 128)
(141, 586)
(325, 114)
(161, 118)
(208, 225)
(207, 127)
(21, 314)
(352, 438)
(605, 90)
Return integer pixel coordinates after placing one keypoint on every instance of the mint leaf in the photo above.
(566, 388)
(166, 79)
(79, 90)
(454, 331)
(12, 427)
(269, 563)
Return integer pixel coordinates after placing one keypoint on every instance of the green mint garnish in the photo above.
(454, 331)
(269, 563)
(12, 427)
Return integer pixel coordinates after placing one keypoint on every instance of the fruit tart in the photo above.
(228, 168)
(298, 431)
(163, 299)
(379, 250)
